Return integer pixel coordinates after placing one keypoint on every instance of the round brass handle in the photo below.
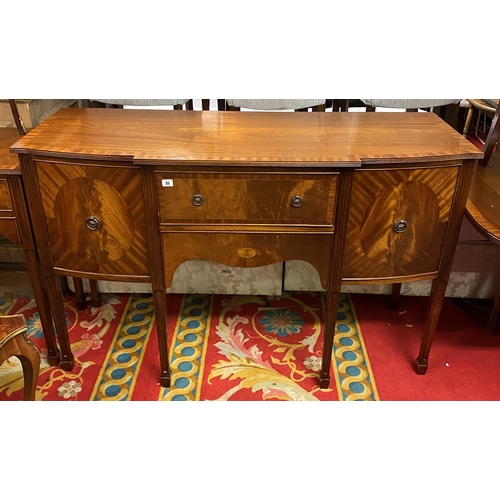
(197, 200)
(93, 223)
(400, 226)
(296, 201)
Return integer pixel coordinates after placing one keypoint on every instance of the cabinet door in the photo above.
(95, 218)
(398, 221)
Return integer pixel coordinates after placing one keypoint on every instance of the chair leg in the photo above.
(22, 347)
(468, 122)
(30, 361)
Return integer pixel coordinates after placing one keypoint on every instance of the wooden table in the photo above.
(131, 194)
(15, 225)
(483, 211)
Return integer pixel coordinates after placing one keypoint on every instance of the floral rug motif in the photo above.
(221, 348)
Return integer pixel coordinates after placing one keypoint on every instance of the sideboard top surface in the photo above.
(9, 163)
(162, 137)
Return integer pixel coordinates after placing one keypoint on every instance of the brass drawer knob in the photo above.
(400, 226)
(93, 223)
(296, 201)
(197, 200)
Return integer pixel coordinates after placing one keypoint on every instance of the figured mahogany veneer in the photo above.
(131, 194)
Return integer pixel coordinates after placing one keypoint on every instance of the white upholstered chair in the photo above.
(119, 103)
(447, 109)
(277, 104)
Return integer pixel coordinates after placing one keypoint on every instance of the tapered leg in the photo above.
(396, 292)
(332, 302)
(494, 313)
(81, 302)
(57, 306)
(435, 303)
(35, 274)
(160, 305)
(42, 302)
(95, 296)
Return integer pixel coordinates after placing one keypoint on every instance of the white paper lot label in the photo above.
(226, 271)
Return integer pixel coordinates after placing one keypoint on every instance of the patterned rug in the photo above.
(221, 348)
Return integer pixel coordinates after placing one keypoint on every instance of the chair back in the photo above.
(277, 104)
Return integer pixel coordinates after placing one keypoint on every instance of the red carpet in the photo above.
(243, 348)
(464, 361)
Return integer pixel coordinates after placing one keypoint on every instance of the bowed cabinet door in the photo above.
(95, 218)
(398, 221)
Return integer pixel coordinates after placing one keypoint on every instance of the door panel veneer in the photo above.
(421, 198)
(71, 194)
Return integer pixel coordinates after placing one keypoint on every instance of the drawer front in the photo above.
(95, 218)
(5, 199)
(8, 228)
(246, 250)
(398, 221)
(250, 199)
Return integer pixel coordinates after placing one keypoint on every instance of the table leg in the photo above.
(95, 296)
(39, 291)
(434, 308)
(332, 303)
(81, 302)
(494, 313)
(57, 306)
(160, 305)
(395, 294)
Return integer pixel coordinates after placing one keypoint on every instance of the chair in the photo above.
(15, 342)
(276, 104)
(447, 109)
(177, 104)
(491, 109)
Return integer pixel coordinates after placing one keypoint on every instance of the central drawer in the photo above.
(250, 199)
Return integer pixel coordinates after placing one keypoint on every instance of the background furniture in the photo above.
(15, 224)
(32, 111)
(15, 342)
(247, 189)
(483, 211)
(447, 109)
(177, 104)
(276, 104)
(489, 108)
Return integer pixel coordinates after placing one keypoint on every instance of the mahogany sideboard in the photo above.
(128, 195)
